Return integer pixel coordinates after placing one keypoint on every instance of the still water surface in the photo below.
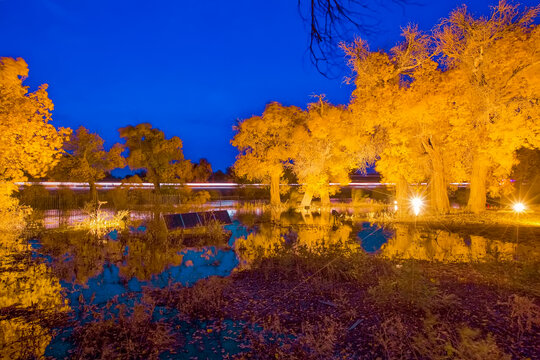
(93, 272)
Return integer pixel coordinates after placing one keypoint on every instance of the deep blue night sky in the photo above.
(189, 67)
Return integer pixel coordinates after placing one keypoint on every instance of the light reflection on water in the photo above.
(120, 267)
(115, 267)
(54, 219)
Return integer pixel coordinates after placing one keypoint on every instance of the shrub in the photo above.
(204, 300)
(439, 341)
(524, 313)
(403, 289)
(123, 335)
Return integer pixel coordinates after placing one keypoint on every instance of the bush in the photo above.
(439, 341)
(123, 335)
(404, 289)
(524, 313)
(204, 300)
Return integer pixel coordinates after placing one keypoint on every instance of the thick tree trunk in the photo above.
(477, 196)
(275, 214)
(306, 200)
(439, 192)
(402, 192)
(325, 198)
(274, 190)
(157, 187)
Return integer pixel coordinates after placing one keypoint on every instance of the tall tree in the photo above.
(429, 108)
(264, 145)
(162, 158)
(86, 159)
(399, 98)
(29, 144)
(497, 62)
(325, 150)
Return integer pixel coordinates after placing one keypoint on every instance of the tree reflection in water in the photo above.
(30, 300)
(305, 232)
(410, 242)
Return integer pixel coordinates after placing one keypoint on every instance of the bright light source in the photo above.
(395, 205)
(417, 204)
(518, 207)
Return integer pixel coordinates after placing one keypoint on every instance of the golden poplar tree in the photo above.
(264, 144)
(162, 158)
(496, 61)
(400, 98)
(325, 150)
(29, 144)
(86, 159)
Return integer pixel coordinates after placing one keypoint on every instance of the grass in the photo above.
(122, 334)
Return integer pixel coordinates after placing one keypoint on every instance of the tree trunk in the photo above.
(274, 190)
(325, 198)
(477, 195)
(306, 200)
(93, 192)
(275, 214)
(402, 194)
(157, 187)
(439, 192)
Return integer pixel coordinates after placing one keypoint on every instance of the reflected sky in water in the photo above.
(121, 265)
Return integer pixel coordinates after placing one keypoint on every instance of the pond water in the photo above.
(118, 268)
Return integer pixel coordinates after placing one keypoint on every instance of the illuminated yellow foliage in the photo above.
(99, 222)
(23, 339)
(29, 144)
(496, 62)
(264, 145)
(266, 242)
(12, 215)
(86, 159)
(202, 171)
(327, 146)
(409, 243)
(162, 158)
(146, 259)
(456, 117)
(399, 97)
(25, 285)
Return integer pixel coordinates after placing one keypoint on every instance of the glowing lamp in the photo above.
(417, 204)
(395, 205)
(518, 207)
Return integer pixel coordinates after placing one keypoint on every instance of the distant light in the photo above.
(518, 207)
(395, 205)
(417, 204)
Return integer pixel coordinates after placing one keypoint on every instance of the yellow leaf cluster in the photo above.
(29, 144)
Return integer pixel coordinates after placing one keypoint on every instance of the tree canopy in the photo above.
(29, 144)
(453, 105)
(264, 144)
(496, 62)
(326, 148)
(86, 159)
(162, 158)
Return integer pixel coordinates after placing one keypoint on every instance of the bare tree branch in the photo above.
(334, 21)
